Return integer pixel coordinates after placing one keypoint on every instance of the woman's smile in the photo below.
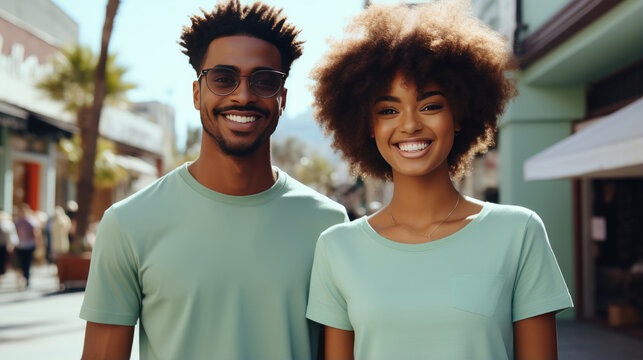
(413, 148)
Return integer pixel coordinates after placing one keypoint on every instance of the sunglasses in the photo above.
(224, 81)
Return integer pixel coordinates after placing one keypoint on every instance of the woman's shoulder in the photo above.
(509, 211)
(503, 216)
(343, 228)
(340, 233)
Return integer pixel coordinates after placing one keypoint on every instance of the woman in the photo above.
(411, 96)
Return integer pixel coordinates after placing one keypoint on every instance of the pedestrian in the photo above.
(411, 95)
(26, 227)
(8, 239)
(59, 228)
(214, 258)
(71, 210)
(42, 252)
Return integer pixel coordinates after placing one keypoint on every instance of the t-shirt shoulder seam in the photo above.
(107, 317)
(556, 302)
(327, 319)
(128, 238)
(328, 264)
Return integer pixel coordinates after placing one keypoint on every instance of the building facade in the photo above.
(30, 123)
(580, 63)
(32, 168)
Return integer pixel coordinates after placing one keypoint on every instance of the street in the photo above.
(41, 323)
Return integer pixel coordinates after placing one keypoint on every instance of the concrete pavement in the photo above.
(38, 322)
(586, 341)
(41, 323)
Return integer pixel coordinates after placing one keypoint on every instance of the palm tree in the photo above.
(82, 84)
(317, 172)
(287, 153)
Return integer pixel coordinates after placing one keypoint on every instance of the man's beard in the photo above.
(227, 148)
(240, 150)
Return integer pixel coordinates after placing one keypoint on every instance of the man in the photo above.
(214, 258)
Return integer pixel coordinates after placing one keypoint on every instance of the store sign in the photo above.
(16, 66)
(19, 76)
(131, 129)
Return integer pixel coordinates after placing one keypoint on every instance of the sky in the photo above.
(145, 39)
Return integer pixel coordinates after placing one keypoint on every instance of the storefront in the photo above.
(575, 57)
(604, 159)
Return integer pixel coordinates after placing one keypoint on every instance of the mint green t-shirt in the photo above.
(210, 276)
(452, 298)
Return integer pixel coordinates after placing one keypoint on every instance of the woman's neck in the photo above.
(423, 199)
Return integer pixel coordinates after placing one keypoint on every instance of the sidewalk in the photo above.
(578, 340)
(43, 281)
(34, 322)
(41, 323)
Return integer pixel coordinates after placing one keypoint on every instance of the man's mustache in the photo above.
(261, 111)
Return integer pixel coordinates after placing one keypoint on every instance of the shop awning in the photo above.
(44, 125)
(13, 117)
(136, 165)
(611, 147)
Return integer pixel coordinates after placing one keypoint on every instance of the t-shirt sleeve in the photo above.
(539, 287)
(113, 293)
(326, 304)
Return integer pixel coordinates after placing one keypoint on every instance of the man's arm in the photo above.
(535, 338)
(105, 341)
(339, 343)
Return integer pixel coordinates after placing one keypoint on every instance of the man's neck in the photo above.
(234, 175)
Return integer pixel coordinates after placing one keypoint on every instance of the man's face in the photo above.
(241, 122)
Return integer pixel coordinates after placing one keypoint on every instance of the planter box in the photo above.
(73, 269)
(622, 315)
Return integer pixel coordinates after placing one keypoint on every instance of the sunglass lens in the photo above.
(265, 83)
(221, 81)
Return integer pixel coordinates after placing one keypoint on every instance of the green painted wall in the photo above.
(613, 41)
(539, 103)
(552, 200)
(536, 12)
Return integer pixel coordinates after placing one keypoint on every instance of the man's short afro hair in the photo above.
(230, 18)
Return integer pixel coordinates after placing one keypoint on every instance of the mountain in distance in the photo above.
(302, 127)
(305, 129)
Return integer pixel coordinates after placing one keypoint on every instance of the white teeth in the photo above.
(241, 119)
(413, 146)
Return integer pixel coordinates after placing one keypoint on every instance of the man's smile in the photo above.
(243, 119)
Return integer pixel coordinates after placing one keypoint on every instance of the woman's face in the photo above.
(413, 127)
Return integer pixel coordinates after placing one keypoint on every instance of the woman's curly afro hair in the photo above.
(440, 41)
(230, 18)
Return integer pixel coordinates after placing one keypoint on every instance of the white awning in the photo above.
(611, 147)
(136, 165)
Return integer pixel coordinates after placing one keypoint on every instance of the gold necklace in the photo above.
(434, 229)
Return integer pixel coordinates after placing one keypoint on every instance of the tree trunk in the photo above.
(88, 120)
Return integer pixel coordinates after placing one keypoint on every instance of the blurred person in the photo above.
(410, 96)
(214, 258)
(47, 238)
(59, 228)
(26, 228)
(8, 239)
(42, 241)
(71, 209)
